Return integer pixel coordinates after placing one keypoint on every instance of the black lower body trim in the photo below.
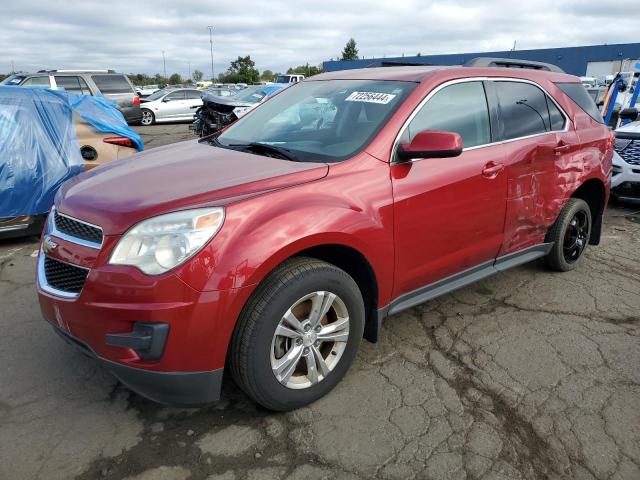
(177, 389)
(464, 278)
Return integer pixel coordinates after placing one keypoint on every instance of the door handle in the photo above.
(492, 169)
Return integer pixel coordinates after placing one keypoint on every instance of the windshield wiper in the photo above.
(257, 146)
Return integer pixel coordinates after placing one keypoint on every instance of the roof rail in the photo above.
(83, 70)
(512, 63)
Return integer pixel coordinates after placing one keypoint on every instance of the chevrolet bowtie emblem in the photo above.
(48, 245)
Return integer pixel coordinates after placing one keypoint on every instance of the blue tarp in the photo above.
(39, 148)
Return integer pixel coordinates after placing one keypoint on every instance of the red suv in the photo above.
(273, 247)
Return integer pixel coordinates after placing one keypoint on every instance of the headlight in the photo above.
(164, 242)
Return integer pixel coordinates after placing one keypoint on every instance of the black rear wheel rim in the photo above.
(576, 236)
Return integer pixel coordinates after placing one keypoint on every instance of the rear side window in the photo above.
(37, 82)
(579, 94)
(72, 84)
(523, 108)
(555, 116)
(460, 108)
(112, 84)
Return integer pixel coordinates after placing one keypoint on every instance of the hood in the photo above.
(213, 100)
(175, 177)
(629, 131)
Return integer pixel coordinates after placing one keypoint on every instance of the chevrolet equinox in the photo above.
(270, 249)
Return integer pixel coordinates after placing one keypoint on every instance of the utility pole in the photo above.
(189, 69)
(164, 65)
(13, 67)
(210, 27)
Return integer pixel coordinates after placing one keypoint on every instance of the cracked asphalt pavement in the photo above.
(528, 374)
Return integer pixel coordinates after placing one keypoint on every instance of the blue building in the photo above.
(594, 60)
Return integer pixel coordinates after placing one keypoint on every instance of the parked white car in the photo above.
(177, 105)
(146, 90)
(625, 179)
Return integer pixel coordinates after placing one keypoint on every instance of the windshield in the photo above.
(251, 95)
(320, 121)
(282, 79)
(13, 80)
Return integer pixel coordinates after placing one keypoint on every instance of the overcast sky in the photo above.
(130, 36)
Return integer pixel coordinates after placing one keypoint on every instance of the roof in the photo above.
(420, 73)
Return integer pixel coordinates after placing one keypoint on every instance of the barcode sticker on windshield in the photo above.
(370, 97)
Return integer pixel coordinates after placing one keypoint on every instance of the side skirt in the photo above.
(464, 278)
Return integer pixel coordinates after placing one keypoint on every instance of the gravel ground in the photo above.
(528, 374)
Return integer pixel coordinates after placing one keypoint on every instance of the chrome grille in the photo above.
(63, 276)
(629, 150)
(78, 229)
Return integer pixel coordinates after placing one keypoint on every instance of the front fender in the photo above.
(351, 207)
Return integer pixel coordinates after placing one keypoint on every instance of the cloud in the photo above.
(130, 36)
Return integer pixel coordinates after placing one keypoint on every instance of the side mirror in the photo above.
(166, 99)
(431, 144)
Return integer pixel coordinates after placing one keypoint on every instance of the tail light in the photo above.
(136, 100)
(120, 141)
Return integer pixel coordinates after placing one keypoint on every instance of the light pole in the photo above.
(210, 27)
(164, 65)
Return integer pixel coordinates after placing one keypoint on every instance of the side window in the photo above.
(194, 95)
(112, 84)
(524, 109)
(555, 116)
(461, 108)
(175, 96)
(69, 83)
(38, 82)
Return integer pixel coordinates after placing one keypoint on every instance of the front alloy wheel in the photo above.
(298, 334)
(309, 340)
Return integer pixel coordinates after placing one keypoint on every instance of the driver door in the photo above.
(449, 213)
(174, 105)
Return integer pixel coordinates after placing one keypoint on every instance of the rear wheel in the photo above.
(570, 235)
(147, 117)
(298, 334)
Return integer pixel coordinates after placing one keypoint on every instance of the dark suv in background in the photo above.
(115, 86)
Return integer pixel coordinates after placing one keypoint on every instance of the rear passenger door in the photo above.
(194, 100)
(535, 139)
(449, 212)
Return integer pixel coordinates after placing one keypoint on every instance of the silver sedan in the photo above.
(176, 105)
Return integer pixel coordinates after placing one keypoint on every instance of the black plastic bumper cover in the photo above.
(179, 389)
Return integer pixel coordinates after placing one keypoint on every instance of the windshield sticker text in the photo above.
(370, 97)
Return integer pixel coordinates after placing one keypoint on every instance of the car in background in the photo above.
(48, 137)
(289, 78)
(175, 105)
(218, 112)
(220, 91)
(625, 178)
(112, 85)
(146, 90)
(203, 84)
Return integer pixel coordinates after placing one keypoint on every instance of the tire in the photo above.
(570, 236)
(256, 349)
(148, 118)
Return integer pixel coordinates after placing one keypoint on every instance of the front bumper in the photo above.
(625, 181)
(180, 389)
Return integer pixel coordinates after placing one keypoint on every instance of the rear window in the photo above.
(579, 94)
(112, 84)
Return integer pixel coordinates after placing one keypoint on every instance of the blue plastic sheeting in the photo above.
(101, 114)
(39, 148)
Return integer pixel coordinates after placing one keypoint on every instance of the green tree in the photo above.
(242, 70)
(267, 76)
(197, 75)
(350, 51)
(307, 70)
(175, 79)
